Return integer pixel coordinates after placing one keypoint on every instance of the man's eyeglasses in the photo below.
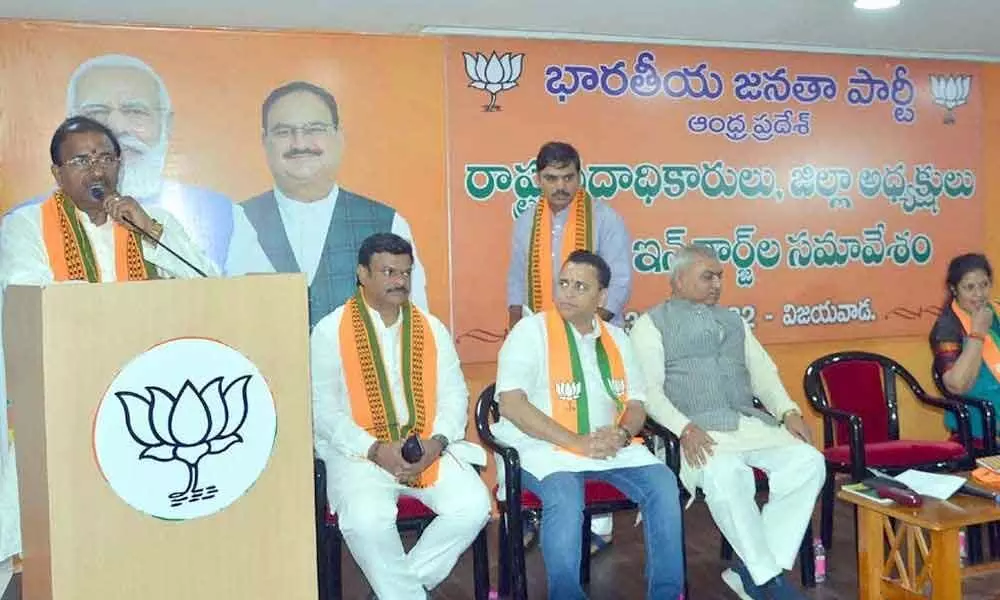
(309, 130)
(91, 161)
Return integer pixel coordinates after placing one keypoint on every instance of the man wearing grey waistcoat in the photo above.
(308, 223)
(703, 368)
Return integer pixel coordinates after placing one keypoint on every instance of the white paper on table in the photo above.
(935, 485)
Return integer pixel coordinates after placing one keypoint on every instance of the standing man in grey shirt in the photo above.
(566, 219)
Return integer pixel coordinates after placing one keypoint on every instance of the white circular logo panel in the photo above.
(185, 429)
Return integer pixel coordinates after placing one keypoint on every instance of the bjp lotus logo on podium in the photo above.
(187, 426)
(185, 429)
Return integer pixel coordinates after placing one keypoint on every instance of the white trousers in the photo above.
(364, 497)
(766, 540)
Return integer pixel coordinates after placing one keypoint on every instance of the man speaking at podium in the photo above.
(84, 232)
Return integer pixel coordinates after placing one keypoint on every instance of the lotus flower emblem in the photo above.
(568, 390)
(950, 91)
(617, 386)
(494, 74)
(187, 426)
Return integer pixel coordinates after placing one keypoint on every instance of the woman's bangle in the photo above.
(977, 336)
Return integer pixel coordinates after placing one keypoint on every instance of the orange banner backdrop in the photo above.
(390, 93)
(834, 188)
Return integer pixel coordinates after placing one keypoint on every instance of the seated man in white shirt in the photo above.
(74, 237)
(384, 370)
(703, 368)
(571, 401)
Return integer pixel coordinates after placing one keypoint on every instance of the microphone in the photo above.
(97, 193)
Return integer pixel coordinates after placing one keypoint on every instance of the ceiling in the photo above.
(964, 29)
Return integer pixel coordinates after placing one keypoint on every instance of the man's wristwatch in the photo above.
(441, 439)
(790, 411)
(625, 435)
(156, 231)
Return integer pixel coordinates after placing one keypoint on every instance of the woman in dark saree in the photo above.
(966, 338)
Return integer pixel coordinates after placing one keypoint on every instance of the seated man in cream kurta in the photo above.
(571, 402)
(71, 237)
(383, 370)
(703, 368)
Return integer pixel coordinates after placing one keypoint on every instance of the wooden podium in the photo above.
(65, 346)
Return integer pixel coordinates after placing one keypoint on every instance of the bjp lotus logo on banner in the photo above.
(185, 429)
(493, 75)
(950, 91)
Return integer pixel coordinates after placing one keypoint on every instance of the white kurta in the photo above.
(523, 365)
(766, 540)
(25, 261)
(364, 495)
(751, 434)
(307, 223)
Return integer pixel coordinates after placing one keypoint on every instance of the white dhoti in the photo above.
(364, 497)
(767, 540)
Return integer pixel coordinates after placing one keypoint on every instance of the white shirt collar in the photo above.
(330, 198)
(376, 318)
(593, 335)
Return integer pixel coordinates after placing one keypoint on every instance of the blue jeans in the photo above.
(653, 488)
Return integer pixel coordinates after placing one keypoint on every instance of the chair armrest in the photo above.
(512, 473)
(856, 440)
(955, 407)
(988, 413)
(671, 443)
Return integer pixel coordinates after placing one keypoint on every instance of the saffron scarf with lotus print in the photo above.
(368, 386)
(71, 256)
(578, 235)
(567, 385)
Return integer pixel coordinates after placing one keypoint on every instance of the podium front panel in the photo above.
(164, 438)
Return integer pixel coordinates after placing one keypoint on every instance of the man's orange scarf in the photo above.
(578, 235)
(368, 385)
(71, 256)
(991, 338)
(567, 386)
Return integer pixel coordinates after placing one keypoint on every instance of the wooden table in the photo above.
(910, 564)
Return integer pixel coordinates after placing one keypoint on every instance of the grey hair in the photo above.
(688, 255)
(114, 61)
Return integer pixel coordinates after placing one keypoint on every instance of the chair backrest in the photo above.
(861, 383)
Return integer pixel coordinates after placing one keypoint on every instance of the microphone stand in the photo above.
(164, 246)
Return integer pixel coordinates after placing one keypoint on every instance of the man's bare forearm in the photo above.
(515, 407)
(634, 417)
